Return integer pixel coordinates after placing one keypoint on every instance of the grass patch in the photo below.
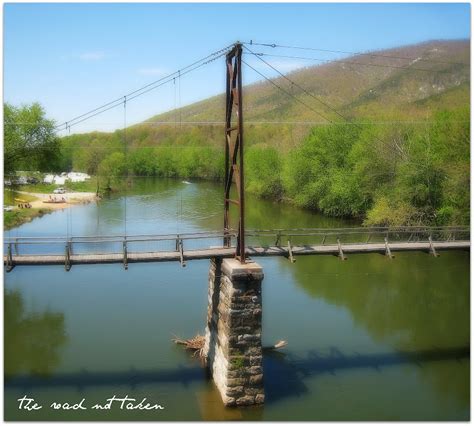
(18, 217)
(10, 195)
(89, 185)
(41, 188)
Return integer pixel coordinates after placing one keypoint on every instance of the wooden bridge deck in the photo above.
(170, 256)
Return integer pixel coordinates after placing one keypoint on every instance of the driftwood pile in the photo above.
(196, 345)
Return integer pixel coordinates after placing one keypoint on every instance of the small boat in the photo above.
(187, 182)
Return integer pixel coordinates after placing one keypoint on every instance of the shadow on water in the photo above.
(411, 303)
(32, 341)
(132, 378)
(285, 375)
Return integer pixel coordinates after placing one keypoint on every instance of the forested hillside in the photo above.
(382, 138)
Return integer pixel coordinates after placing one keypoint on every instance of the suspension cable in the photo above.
(126, 162)
(343, 61)
(288, 93)
(144, 89)
(346, 52)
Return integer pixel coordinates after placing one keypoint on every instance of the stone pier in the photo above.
(233, 346)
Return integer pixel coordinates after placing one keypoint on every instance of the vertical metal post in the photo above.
(234, 148)
(9, 265)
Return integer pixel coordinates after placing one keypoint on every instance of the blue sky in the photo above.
(74, 57)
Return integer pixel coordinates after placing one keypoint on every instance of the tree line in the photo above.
(394, 173)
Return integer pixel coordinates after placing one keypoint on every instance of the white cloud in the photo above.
(91, 56)
(153, 71)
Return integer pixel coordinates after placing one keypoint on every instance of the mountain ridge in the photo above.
(353, 89)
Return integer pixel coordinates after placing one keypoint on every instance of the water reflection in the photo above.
(171, 203)
(422, 308)
(409, 305)
(32, 340)
(285, 375)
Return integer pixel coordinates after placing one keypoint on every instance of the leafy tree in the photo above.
(30, 141)
(263, 171)
(113, 167)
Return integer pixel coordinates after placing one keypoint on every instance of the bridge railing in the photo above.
(114, 243)
(205, 240)
(358, 235)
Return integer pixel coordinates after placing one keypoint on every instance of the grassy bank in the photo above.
(19, 217)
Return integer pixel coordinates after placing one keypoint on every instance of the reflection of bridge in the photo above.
(29, 251)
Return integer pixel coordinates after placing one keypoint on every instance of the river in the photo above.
(368, 339)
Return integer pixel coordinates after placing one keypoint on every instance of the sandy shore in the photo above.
(70, 198)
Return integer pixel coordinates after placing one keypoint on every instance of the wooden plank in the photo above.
(173, 256)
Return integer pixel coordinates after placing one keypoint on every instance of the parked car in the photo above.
(21, 181)
(59, 191)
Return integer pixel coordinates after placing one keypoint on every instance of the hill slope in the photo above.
(406, 163)
(359, 86)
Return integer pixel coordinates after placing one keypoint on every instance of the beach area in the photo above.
(40, 204)
(41, 201)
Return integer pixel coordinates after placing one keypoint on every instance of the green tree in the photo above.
(263, 171)
(30, 141)
(113, 167)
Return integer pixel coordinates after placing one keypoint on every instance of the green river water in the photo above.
(368, 339)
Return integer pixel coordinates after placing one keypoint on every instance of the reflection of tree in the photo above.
(156, 203)
(31, 340)
(450, 379)
(414, 303)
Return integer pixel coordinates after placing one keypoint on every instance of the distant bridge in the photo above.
(83, 250)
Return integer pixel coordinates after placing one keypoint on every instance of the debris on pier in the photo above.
(278, 345)
(195, 344)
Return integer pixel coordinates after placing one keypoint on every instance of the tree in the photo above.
(30, 141)
(113, 166)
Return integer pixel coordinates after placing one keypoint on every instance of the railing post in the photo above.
(180, 249)
(387, 249)
(278, 240)
(432, 248)
(342, 256)
(67, 257)
(125, 254)
(290, 252)
(9, 265)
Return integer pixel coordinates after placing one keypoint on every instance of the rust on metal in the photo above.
(234, 149)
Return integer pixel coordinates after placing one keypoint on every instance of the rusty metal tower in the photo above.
(234, 149)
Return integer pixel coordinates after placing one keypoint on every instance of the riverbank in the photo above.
(17, 216)
(70, 198)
